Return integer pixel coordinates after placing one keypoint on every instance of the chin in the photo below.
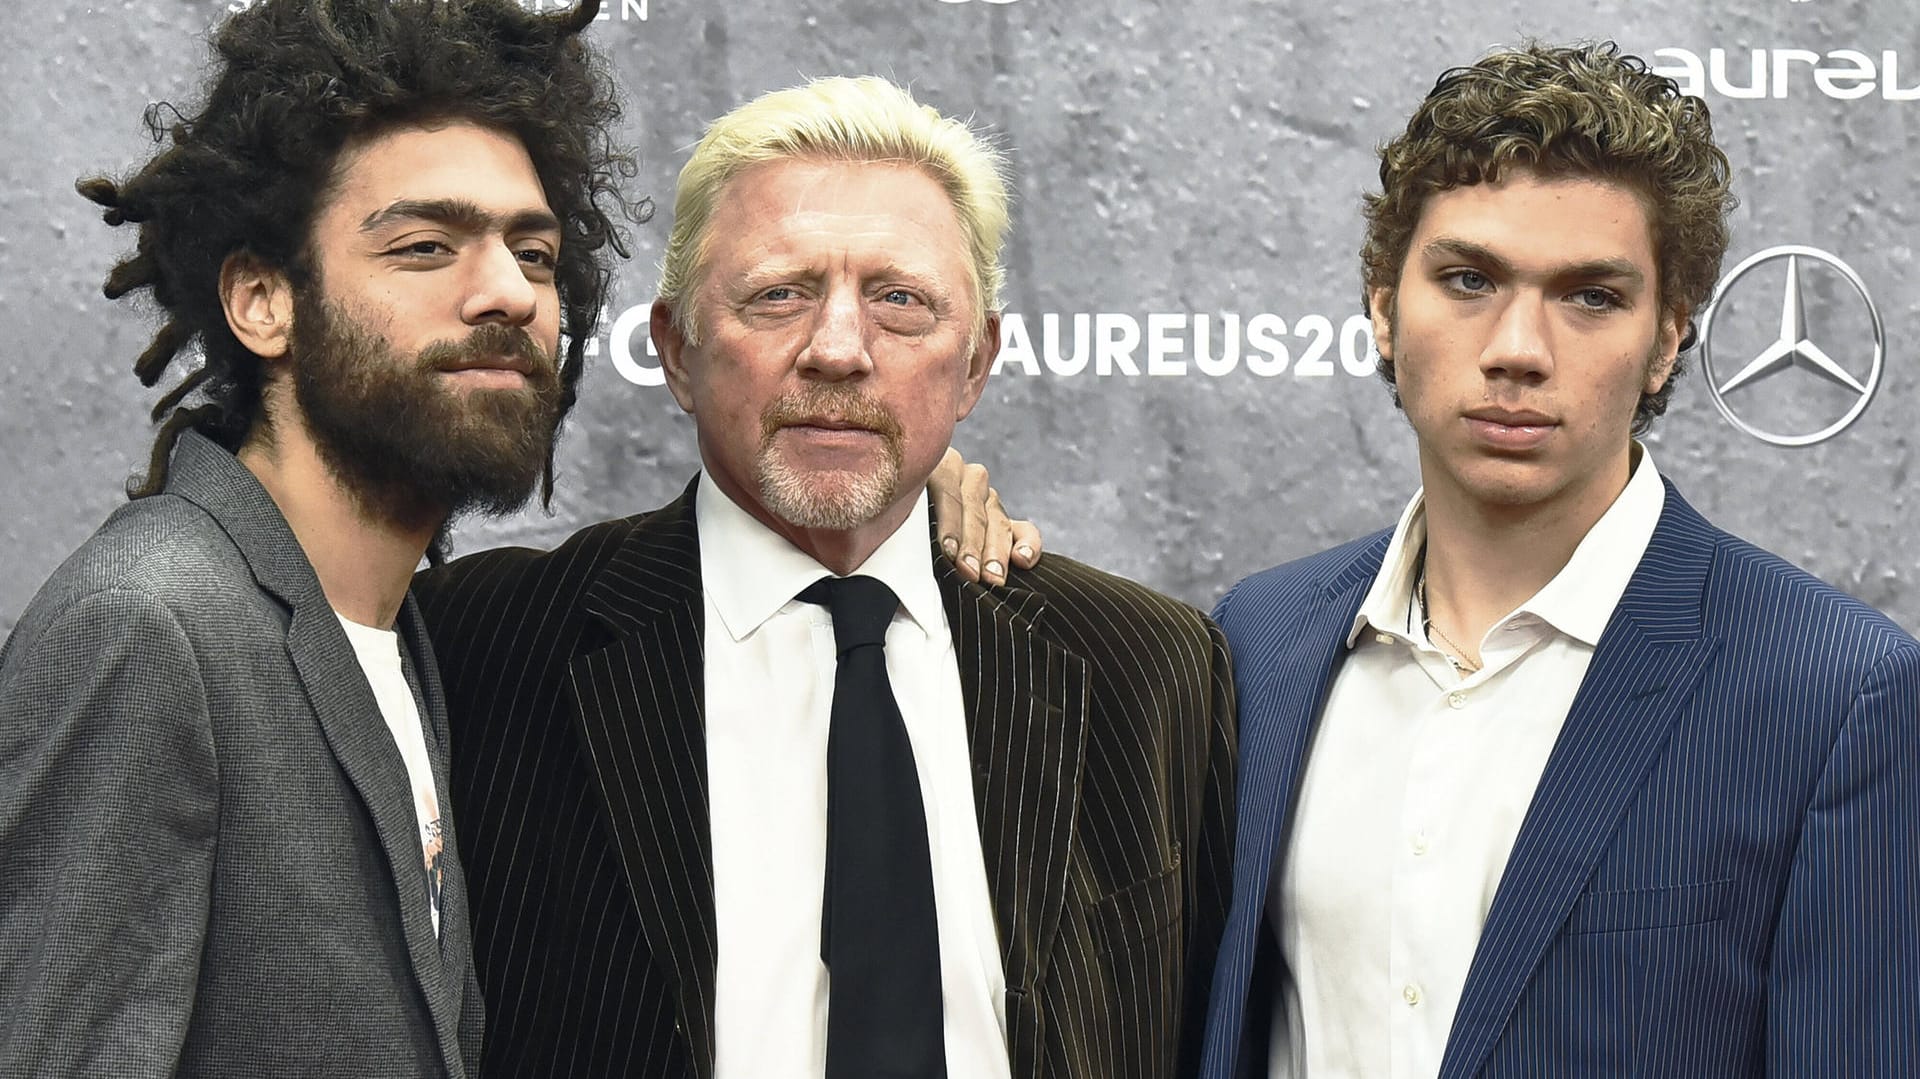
(1509, 484)
(837, 501)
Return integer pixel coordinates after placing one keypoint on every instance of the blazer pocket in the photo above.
(1630, 909)
(1138, 911)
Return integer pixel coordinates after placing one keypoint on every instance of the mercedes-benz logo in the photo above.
(1794, 348)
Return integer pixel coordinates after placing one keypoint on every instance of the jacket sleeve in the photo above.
(1846, 950)
(108, 802)
(1210, 884)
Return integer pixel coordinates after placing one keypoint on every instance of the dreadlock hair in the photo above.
(295, 82)
(1582, 110)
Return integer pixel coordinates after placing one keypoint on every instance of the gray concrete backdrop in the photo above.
(1180, 160)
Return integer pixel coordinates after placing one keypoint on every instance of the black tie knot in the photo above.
(862, 608)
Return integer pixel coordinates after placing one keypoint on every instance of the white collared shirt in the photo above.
(770, 664)
(1414, 790)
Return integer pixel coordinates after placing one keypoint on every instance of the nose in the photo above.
(1521, 346)
(837, 348)
(498, 289)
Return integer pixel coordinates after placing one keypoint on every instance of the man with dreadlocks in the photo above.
(219, 860)
(225, 843)
(224, 835)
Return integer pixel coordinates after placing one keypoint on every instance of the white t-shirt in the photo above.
(379, 654)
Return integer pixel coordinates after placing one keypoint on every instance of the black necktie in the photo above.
(878, 935)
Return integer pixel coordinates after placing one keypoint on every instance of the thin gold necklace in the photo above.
(1457, 655)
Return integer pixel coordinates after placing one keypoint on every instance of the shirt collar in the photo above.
(1388, 605)
(763, 572)
(1578, 601)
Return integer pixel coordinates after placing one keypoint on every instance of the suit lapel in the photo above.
(1026, 704)
(1650, 657)
(1283, 671)
(351, 721)
(639, 701)
(456, 931)
(343, 703)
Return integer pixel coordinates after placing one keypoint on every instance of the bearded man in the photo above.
(226, 847)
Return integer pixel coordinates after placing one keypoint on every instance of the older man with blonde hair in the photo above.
(758, 785)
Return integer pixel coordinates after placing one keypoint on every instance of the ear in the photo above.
(1673, 324)
(671, 344)
(1380, 308)
(258, 300)
(986, 348)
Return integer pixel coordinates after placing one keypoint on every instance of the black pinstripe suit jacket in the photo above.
(1100, 718)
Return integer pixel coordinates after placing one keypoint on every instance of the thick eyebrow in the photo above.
(1613, 269)
(461, 214)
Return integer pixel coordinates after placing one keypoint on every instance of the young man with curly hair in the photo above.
(1554, 777)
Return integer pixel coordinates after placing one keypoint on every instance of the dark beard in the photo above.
(409, 450)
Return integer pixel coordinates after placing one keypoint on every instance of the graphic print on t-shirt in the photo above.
(432, 845)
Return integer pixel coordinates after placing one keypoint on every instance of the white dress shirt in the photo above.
(770, 664)
(1415, 786)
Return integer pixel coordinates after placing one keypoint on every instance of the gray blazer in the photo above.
(209, 859)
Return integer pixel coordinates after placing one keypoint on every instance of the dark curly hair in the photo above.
(1581, 110)
(295, 82)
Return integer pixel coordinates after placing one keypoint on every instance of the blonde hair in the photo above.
(839, 119)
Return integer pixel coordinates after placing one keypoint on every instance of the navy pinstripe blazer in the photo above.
(1100, 722)
(1719, 874)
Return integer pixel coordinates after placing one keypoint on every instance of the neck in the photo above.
(841, 552)
(1484, 559)
(364, 564)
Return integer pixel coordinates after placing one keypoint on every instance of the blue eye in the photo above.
(897, 296)
(1596, 298)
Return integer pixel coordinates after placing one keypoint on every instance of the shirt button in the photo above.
(1383, 638)
(1418, 843)
(1411, 994)
(1456, 699)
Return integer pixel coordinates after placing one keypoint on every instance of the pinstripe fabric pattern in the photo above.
(1719, 874)
(1101, 731)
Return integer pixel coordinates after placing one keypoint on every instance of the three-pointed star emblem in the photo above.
(1794, 348)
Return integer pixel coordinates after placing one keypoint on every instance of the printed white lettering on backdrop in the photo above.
(1843, 74)
(1161, 344)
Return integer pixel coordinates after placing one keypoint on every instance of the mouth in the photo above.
(515, 364)
(1510, 429)
(490, 372)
